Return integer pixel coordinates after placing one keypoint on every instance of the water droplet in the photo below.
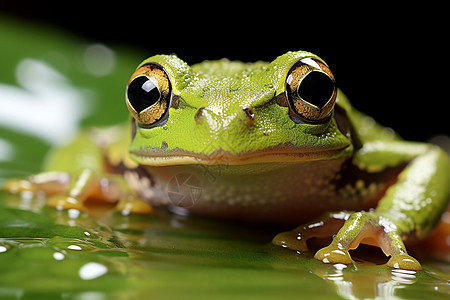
(58, 256)
(92, 270)
(74, 247)
(73, 213)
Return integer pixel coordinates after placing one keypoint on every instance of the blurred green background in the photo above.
(50, 84)
(54, 78)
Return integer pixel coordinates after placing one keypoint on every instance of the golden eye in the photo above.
(311, 90)
(149, 93)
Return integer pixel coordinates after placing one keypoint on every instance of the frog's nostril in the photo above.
(198, 114)
(250, 114)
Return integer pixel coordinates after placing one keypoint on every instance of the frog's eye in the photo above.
(149, 93)
(311, 90)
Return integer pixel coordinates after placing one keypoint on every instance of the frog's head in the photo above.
(234, 113)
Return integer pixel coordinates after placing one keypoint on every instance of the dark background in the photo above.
(390, 61)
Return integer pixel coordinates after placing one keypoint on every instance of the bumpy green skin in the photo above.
(224, 88)
(212, 116)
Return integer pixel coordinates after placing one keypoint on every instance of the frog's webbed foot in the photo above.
(360, 227)
(68, 191)
(326, 226)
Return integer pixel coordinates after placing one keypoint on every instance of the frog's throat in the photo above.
(277, 154)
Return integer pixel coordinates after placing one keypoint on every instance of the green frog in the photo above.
(264, 142)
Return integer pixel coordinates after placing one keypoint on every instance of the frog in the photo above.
(272, 142)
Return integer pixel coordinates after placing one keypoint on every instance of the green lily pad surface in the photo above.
(50, 85)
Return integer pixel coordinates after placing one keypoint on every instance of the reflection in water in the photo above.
(353, 282)
(404, 276)
(344, 288)
(126, 257)
(399, 279)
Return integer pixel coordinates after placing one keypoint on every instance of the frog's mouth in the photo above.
(286, 153)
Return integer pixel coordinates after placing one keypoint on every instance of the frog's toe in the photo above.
(133, 205)
(62, 202)
(47, 183)
(291, 240)
(404, 261)
(16, 186)
(334, 255)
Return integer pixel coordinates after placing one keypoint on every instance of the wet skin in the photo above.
(272, 142)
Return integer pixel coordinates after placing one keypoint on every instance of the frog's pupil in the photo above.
(142, 93)
(316, 88)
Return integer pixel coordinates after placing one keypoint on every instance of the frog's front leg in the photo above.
(86, 185)
(349, 230)
(71, 190)
(409, 209)
(63, 190)
(85, 176)
(368, 228)
(42, 184)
